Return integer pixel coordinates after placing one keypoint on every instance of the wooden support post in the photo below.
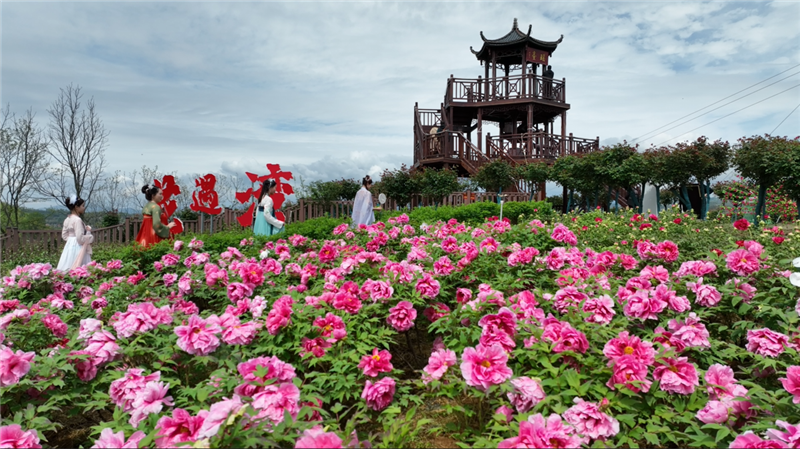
(530, 150)
(564, 130)
(480, 129)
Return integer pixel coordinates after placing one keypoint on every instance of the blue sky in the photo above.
(327, 89)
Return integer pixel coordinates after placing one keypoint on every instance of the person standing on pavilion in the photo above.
(363, 212)
(548, 83)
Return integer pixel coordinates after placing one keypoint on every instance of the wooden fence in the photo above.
(50, 240)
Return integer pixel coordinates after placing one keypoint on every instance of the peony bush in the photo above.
(581, 330)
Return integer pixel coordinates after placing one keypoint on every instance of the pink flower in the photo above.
(749, 440)
(719, 380)
(110, 440)
(666, 250)
(526, 394)
(568, 298)
(125, 389)
(741, 224)
(199, 337)
(630, 345)
(590, 421)
(316, 346)
(627, 370)
(691, 332)
(14, 436)
(428, 287)
(217, 415)
(536, 432)
(274, 400)
(331, 327)
(275, 369)
(316, 437)
(378, 362)
(347, 301)
(791, 437)
(564, 336)
(377, 290)
(641, 305)
(676, 375)
(714, 412)
(707, 295)
(437, 311)
(791, 382)
(179, 428)
(562, 234)
(380, 394)
(483, 367)
(239, 290)
(150, 399)
(743, 262)
(402, 316)
(56, 326)
(600, 308)
(766, 342)
(508, 414)
(240, 334)
(438, 363)
(14, 365)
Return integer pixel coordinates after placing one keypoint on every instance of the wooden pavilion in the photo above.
(514, 93)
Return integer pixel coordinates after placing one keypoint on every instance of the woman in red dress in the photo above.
(154, 229)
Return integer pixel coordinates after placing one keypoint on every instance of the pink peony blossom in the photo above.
(643, 306)
(378, 362)
(401, 317)
(526, 394)
(316, 437)
(380, 394)
(601, 309)
(331, 327)
(199, 336)
(719, 380)
(436, 312)
(428, 287)
(714, 412)
(483, 367)
(274, 400)
(179, 428)
(666, 250)
(749, 440)
(508, 414)
(110, 440)
(691, 332)
(14, 365)
(240, 333)
(564, 336)
(791, 382)
(14, 437)
(315, 347)
(275, 369)
(438, 363)
(150, 399)
(766, 342)
(218, 414)
(791, 438)
(562, 234)
(742, 262)
(630, 372)
(536, 432)
(630, 345)
(590, 421)
(56, 326)
(676, 375)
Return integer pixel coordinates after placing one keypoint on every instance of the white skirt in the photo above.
(71, 252)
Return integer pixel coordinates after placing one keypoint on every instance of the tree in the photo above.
(763, 160)
(621, 167)
(434, 184)
(534, 173)
(711, 159)
(496, 176)
(23, 163)
(657, 161)
(399, 185)
(110, 197)
(77, 142)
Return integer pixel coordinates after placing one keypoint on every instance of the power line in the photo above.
(712, 104)
(734, 112)
(732, 101)
(781, 123)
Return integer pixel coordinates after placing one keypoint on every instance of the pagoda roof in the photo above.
(513, 38)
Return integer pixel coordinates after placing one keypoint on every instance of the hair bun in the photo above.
(145, 188)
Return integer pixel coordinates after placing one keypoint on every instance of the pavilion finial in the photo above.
(516, 26)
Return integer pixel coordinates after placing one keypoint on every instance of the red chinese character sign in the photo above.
(281, 190)
(536, 56)
(206, 199)
(169, 188)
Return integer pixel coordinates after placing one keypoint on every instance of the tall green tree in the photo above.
(766, 161)
(398, 185)
(496, 176)
(534, 173)
(434, 184)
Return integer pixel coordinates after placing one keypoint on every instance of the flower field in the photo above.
(594, 330)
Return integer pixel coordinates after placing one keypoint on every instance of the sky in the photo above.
(327, 89)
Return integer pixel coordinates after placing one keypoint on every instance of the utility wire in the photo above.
(784, 119)
(732, 101)
(734, 112)
(712, 104)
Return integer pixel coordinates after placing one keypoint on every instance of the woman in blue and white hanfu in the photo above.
(266, 223)
(363, 212)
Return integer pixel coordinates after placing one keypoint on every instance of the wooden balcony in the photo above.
(462, 91)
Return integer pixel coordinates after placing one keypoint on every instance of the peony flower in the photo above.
(428, 287)
(199, 337)
(719, 380)
(179, 428)
(526, 394)
(380, 394)
(13, 436)
(14, 365)
(741, 224)
(714, 412)
(742, 262)
(590, 421)
(438, 363)
(792, 382)
(626, 344)
(150, 399)
(676, 375)
(627, 370)
(483, 367)
(536, 432)
(402, 316)
(110, 440)
(218, 414)
(56, 326)
(641, 305)
(766, 342)
(316, 437)
(749, 440)
(601, 309)
(791, 437)
(273, 401)
(378, 362)
(691, 332)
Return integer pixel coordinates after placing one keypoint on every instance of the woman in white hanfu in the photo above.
(266, 223)
(362, 205)
(78, 249)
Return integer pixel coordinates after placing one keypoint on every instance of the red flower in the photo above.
(584, 228)
(645, 226)
(778, 240)
(740, 243)
(598, 220)
(741, 224)
(717, 252)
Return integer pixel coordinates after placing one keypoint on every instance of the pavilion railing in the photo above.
(513, 87)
